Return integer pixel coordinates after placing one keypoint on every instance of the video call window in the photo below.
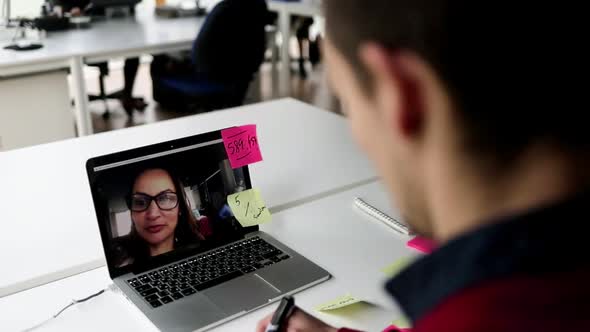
(176, 202)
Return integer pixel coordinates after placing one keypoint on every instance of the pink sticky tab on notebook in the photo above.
(422, 244)
(394, 328)
(241, 145)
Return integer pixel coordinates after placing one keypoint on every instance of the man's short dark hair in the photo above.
(507, 65)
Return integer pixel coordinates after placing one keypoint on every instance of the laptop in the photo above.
(172, 244)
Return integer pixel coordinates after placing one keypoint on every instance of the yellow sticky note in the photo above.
(402, 323)
(396, 267)
(249, 208)
(338, 303)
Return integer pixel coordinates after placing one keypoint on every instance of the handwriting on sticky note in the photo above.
(241, 145)
(422, 244)
(249, 208)
(394, 268)
(338, 303)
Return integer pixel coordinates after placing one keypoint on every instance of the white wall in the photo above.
(122, 222)
(26, 8)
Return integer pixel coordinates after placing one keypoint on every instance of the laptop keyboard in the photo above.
(198, 273)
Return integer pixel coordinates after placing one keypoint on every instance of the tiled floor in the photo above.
(313, 90)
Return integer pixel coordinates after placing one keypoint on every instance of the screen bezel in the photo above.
(101, 209)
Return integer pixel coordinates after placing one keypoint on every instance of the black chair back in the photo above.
(231, 44)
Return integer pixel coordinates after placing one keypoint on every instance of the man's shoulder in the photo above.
(556, 302)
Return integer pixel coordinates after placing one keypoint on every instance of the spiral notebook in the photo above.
(372, 211)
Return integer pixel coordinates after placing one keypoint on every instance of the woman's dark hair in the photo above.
(134, 248)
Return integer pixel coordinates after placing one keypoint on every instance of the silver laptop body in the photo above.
(204, 286)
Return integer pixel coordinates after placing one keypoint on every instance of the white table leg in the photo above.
(285, 74)
(81, 110)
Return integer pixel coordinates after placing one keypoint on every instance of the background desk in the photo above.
(144, 34)
(44, 98)
(328, 231)
(47, 211)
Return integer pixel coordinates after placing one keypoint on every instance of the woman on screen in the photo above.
(162, 220)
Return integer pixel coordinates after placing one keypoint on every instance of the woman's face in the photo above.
(155, 225)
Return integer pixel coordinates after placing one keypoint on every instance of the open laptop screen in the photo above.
(157, 205)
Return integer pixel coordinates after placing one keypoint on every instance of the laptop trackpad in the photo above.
(242, 294)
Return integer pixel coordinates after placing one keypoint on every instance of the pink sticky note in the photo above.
(241, 145)
(422, 244)
(394, 328)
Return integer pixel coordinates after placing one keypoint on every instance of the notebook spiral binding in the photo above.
(381, 216)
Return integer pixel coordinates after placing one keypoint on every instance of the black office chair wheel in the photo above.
(140, 104)
(129, 112)
(128, 106)
(107, 112)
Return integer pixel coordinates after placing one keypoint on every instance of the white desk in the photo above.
(47, 206)
(328, 231)
(39, 100)
(285, 10)
(144, 34)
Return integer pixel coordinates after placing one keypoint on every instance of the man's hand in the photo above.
(76, 11)
(299, 321)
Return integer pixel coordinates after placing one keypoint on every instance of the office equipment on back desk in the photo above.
(116, 8)
(114, 3)
(184, 9)
(26, 37)
(80, 22)
(52, 23)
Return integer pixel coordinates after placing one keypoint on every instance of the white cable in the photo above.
(112, 287)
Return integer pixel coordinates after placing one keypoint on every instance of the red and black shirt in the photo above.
(528, 272)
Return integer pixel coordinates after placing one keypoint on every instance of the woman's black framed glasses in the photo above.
(165, 201)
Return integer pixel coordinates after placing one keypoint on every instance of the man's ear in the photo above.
(396, 88)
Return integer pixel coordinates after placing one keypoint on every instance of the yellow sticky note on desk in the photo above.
(249, 208)
(393, 269)
(338, 303)
(402, 323)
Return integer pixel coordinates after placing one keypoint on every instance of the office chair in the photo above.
(103, 68)
(225, 58)
(103, 8)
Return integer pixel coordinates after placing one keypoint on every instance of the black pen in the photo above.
(282, 314)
